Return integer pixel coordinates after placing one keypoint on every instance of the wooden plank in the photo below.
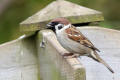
(18, 60)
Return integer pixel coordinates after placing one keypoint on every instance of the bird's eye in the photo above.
(59, 27)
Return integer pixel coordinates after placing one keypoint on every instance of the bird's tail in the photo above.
(96, 57)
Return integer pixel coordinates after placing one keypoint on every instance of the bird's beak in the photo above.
(49, 25)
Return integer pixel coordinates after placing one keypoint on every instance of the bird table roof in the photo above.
(73, 12)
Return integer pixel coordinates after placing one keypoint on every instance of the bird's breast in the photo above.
(70, 45)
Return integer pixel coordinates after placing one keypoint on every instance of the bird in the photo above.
(74, 41)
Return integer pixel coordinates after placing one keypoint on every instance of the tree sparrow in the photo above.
(74, 41)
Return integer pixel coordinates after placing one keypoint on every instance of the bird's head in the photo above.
(58, 24)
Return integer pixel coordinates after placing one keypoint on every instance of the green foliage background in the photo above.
(19, 10)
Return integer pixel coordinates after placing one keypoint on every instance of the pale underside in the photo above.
(70, 45)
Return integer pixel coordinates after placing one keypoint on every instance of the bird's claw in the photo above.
(70, 55)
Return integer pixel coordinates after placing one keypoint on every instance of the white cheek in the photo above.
(56, 27)
(58, 31)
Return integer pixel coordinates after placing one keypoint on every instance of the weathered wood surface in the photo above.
(52, 64)
(61, 8)
(18, 60)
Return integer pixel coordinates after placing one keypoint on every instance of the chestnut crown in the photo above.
(58, 21)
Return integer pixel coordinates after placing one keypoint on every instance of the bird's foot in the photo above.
(75, 56)
(70, 55)
(67, 54)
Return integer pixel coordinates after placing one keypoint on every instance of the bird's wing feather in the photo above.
(77, 36)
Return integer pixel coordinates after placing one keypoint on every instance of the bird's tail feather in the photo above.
(96, 57)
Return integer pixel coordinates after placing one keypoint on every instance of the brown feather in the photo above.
(77, 36)
(61, 20)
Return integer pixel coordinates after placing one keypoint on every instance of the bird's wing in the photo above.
(77, 36)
